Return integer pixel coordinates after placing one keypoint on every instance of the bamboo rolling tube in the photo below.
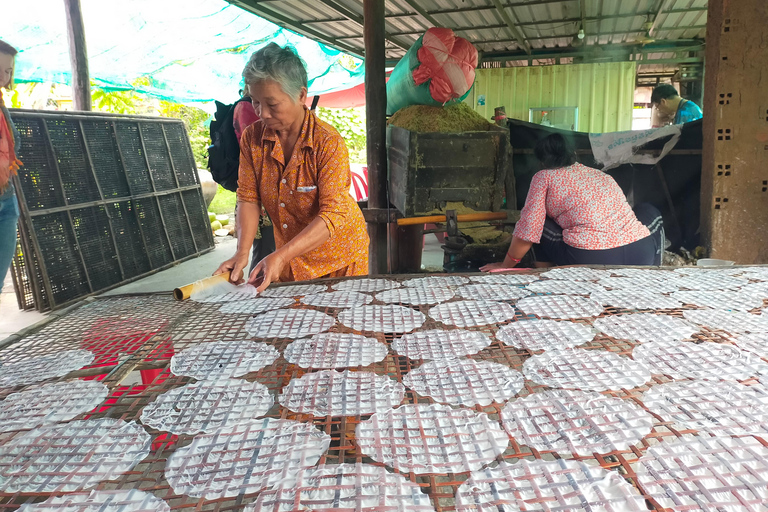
(183, 292)
(468, 217)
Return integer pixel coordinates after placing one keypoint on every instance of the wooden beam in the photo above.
(516, 32)
(78, 56)
(656, 16)
(375, 111)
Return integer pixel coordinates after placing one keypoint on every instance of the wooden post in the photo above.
(375, 111)
(78, 56)
(734, 180)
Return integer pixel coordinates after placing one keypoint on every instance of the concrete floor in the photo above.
(13, 320)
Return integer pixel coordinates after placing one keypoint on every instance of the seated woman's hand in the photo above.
(236, 264)
(269, 269)
(495, 266)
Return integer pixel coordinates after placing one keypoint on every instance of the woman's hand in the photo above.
(236, 264)
(269, 269)
(496, 266)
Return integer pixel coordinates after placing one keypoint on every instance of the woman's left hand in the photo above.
(270, 269)
(495, 266)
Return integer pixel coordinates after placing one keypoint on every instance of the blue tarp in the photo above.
(190, 50)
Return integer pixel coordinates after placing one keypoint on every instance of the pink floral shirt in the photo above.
(587, 203)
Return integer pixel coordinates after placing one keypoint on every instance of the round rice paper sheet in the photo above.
(560, 307)
(337, 299)
(729, 321)
(576, 273)
(294, 290)
(642, 273)
(755, 343)
(289, 323)
(491, 292)
(223, 359)
(244, 458)
(440, 344)
(129, 500)
(346, 393)
(759, 289)
(38, 369)
(472, 313)
(729, 300)
(505, 279)
(666, 284)
(406, 439)
(385, 319)
(465, 382)
(711, 282)
(537, 335)
(645, 327)
(255, 306)
(226, 293)
(589, 370)
(755, 273)
(365, 285)
(335, 350)
(415, 296)
(575, 422)
(635, 299)
(564, 287)
(439, 281)
(710, 271)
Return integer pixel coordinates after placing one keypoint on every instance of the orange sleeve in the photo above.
(247, 189)
(333, 181)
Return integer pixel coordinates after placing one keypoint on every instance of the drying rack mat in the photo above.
(132, 500)
(439, 281)
(756, 343)
(589, 370)
(576, 273)
(575, 422)
(345, 393)
(563, 307)
(710, 282)
(506, 279)
(756, 273)
(244, 292)
(289, 323)
(385, 319)
(719, 408)
(244, 458)
(716, 473)
(50, 403)
(29, 371)
(416, 296)
(223, 359)
(635, 299)
(704, 271)
(365, 285)
(759, 289)
(347, 487)
(536, 335)
(564, 287)
(706, 360)
(256, 306)
(207, 405)
(547, 486)
(729, 321)
(439, 344)
(725, 299)
(642, 273)
(662, 284)
(294, 290)
(335, 350)
(645, 327)
(337, 299)
(431, 439)
(71, 456)
(465, 382)
(472, 313)
(491, 292)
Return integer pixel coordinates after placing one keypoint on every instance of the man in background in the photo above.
(671, 106)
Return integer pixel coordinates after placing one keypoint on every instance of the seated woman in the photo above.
(297, 167)
(576, 215)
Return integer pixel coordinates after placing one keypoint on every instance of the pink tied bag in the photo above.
(449, 62)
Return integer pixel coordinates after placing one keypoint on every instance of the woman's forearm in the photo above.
(517, 250)
(247, 221)
(310, 238)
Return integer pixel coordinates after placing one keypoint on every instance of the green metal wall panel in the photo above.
(603, 92)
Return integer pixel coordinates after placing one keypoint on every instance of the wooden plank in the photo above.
(78, 56)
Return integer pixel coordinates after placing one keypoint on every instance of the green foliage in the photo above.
(116, 102)
(197, 124)
(223, 202)
(351, 125)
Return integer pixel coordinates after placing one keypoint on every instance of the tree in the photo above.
(350, 122)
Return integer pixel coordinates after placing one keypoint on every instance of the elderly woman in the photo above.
(297, 167)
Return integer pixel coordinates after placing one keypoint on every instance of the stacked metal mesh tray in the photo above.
(105, 199)
(587, 413)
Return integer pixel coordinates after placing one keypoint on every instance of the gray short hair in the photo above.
(283, 65)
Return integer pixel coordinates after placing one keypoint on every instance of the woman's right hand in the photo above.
(236, 264)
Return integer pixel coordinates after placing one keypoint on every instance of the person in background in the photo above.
(576, 215)
(297, 166)
(671, 106)
(9, 163)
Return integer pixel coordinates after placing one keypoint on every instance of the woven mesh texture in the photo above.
(68, 149)
(508, 279)
(635, 299)
(157, 156)
(337, 299)
(547, 486)
(158, 246)
(645, 327)
(431, 439)
(289, 323)
(207, 405)
(544, 335)
(720, 299)
(343, 487)
(244, 458)
(756, 273)
(71, 456)
(707, 474)
(575, 422)
(576, 273)
(663, 283)
(439, 344)
(130, 245)
(718, 408)
(366, 285)
(491, 292)
(702, 271)
(472, 313)
(35, 154)
(294, 290)
(133, 157)
(181, 154)
(385, 319)
(175, 221)
(729, 321)
(345, 393)
(29, 371)
(642, 273)
(98, 251)
(563, 307)
(711, 281)
(132, 500)
(416, 296)
(237, 294)
(255, 306)
(755, 343)
(707, 360)
(759, 289)
(335, 350)
(223, 359)
(465, 382)
(564, 287)
(439, 281)
(50, 403)
(589, 370)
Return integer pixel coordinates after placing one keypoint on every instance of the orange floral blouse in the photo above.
(315, 183)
